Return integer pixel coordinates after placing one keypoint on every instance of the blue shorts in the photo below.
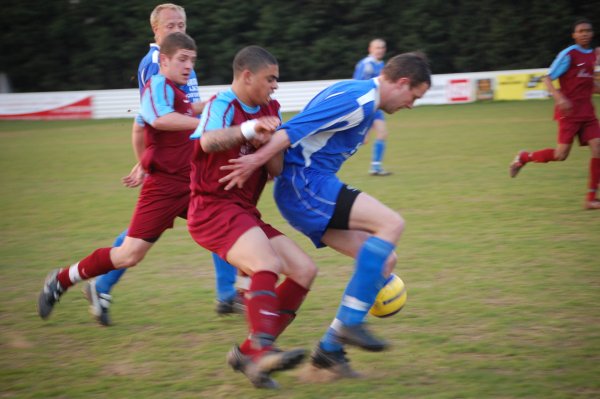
(306, 199)
(379, 115)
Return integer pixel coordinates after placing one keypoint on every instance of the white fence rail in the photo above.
(293, 96)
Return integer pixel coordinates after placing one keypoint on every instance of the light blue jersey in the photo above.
(158, 100)
(323, 136)
(368, 68)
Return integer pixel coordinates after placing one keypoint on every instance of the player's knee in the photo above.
(560, 156)
(273, 264)
(395, 223)
(130, 259)
(595, 148)
(309, 272)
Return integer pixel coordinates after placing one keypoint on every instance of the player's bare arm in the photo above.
(137, 173)
(174, 121)
(242, 167)
(561, 101)
(257, 131)
(198, 107)
(275, 165)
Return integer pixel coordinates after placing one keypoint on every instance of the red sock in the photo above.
(262, 312)
(95, 264)
(594, 178)
(291, 295)
(541, 156)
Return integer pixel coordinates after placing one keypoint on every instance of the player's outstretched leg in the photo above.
(59, 281)
(524, 157)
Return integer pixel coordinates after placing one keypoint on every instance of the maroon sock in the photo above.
(262, 312)
(95, 264)
(542, 156)
(594, 179)
(291, 295)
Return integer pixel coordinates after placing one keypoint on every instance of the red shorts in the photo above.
(161, 200)
(217, 224)
(584, 130)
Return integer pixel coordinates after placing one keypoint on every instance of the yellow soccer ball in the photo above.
(390, 299)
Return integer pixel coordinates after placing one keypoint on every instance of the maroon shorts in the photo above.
(161, 200)
(584, 130)
(217, 224)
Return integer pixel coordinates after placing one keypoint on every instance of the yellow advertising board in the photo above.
(520, 86)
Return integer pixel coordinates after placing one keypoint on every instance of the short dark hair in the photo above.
(252, 58)
(176, 41)
(414, 66)
(580, 21)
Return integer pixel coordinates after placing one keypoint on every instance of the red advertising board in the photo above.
(459, 90)
(79, 109)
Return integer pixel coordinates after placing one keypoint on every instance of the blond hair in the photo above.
(166, 6)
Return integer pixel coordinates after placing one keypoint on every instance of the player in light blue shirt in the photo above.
(312, 198)
(164, 19)
(368, 68)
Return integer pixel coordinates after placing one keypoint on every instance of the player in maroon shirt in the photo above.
(228, 223)
(165, 193)
(574, 111)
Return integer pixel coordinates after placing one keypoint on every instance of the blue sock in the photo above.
(225, 279)
(105, 283)
(378, 151)
(329, 341)
(362, 288)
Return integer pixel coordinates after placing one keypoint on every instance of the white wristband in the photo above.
(248, 129)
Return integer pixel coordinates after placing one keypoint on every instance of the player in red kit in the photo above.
(574, 111)
(235, 123)
(169, 121)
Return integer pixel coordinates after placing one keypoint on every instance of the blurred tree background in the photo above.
(58, 45)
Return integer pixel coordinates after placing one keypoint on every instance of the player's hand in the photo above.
(264, 128)
(565, 106)
(135, 177)
(241, 169)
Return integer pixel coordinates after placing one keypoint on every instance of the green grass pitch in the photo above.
(503, 275)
